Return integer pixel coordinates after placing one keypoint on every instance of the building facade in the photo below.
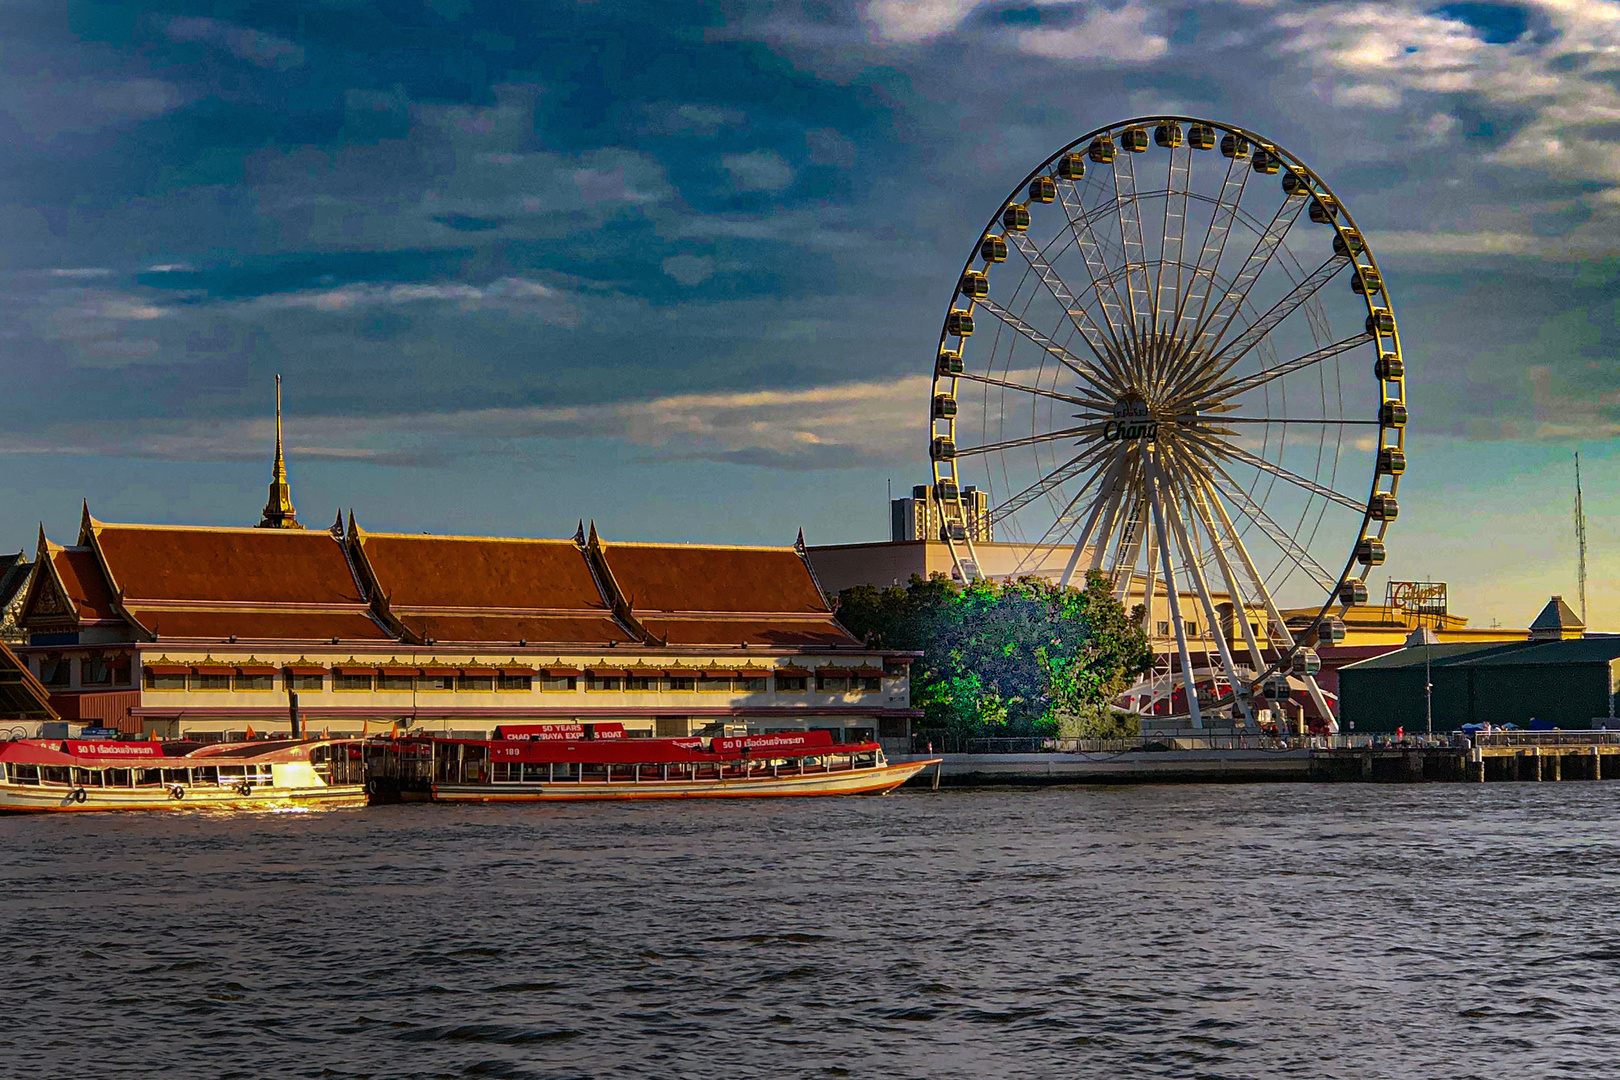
(921, 517)
(213, 633)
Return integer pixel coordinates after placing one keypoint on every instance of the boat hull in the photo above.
(874, 781)
(58, 798)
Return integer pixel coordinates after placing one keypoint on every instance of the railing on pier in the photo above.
(1140, 744)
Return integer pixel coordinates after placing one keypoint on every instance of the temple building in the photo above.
(212, 633)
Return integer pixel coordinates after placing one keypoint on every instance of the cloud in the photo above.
(837, 426)
(512, 294)
(917, 20)
(81, 272)
(255, 46)
(1120, 36)
(763, 170)
(689, 270)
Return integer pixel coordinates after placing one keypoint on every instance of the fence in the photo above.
(1141, 744)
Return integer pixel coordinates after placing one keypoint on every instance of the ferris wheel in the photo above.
(1171, 359)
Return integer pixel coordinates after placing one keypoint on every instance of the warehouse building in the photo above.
(1558, 675)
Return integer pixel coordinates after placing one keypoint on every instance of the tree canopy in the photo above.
(1024, 657)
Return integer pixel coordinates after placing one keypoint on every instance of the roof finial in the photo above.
(579, 533)
(278, 509)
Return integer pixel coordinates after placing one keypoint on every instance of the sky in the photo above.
(680, 269)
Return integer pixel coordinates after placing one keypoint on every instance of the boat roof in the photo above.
(656, 751)
(115, 754)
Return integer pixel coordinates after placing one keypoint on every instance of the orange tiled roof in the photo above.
(249, 566)
(692, 578)
(86, 585)
(534, 629)
(222, 624)
(476, 572)
(759, 630)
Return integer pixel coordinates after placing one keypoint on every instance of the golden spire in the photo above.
(278, 510)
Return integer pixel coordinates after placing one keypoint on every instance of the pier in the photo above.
(1508, 756)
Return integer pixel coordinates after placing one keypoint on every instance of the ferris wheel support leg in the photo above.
(1317, 697)
(1195, 572)
(1188, 680)
(1240, 610)
(1091, 521)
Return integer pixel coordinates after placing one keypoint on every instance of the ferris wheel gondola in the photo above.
(1174, 357)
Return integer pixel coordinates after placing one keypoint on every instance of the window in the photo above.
(682, 682)
(396, 681)
(351, 680)
(437, 681)
(868, 683)
(55, 671)
(751, 684)
(672, 727)
(641, 683)
(513, 680)
(255, 680)
(165, 680)
(211, 680)
(1164, 629)
(558, 682)
(1192, 629)
(596, 681)
(306, 680)
(791, 684)
(836, 684)
(118, 671)
(894, 670)
(478, 681)
(711, 683)
(93, 671)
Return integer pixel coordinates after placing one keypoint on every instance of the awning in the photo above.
(605, 672)
(869, 671)
(683, 672)
(440, 669)
(397, 669)
(167, 669)
(306, 669)
(256, 669)
(516, 669)
(559, 672)
(214, 667)
(795, 672)
(719, 673)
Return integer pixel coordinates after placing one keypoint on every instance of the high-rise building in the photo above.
(921, 516)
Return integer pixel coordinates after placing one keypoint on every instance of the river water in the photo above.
(1203, 931)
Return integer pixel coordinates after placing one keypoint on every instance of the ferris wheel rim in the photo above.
(1361, 258)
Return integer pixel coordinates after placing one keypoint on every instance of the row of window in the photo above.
(93, 671)
(400, 683)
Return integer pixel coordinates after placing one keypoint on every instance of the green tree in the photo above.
(1024, 657)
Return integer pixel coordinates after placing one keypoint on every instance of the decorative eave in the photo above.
(622, 606)
(90, 537)
(45, 576)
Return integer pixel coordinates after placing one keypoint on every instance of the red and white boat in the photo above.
(53, 775)
(553, 763)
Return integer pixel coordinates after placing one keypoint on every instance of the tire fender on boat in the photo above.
(78, 795)
(244, 789)
(177, 792)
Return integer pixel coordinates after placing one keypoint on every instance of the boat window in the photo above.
(54, 774)
(508, 772)
(148, 777)
(534, 771)
(86, 778)
(117, 777)
(25, 774)
(564, 770)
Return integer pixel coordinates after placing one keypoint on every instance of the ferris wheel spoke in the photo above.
(1029, 440)
(1237, 453)
(1068, 359)
(1072, 307)
(1090, 248)
(1171, 237)
(1219, 231)
(1224, 391)
(1274, 532)
(1130, 236)
(1076, 465)
(1131, 537)
(1223, 360)
(1109, 487)
(1214, 325)
(1007, 384)
(1217, 418)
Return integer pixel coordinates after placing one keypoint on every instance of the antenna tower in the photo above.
(1580, 534)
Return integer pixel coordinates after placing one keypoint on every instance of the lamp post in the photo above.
(1425, 637)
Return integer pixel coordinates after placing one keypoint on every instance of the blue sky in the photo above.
(681, 268)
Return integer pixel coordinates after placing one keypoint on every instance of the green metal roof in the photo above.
(1593, 650)
(1444, 654)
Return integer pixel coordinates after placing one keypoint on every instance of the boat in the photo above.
(53, 775)
(560, 763)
